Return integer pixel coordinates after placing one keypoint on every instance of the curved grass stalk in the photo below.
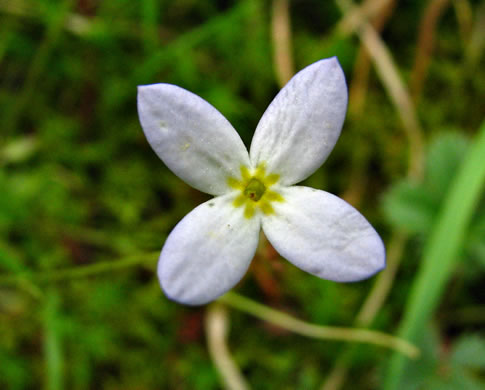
(216, 327)
(427, 31)
(80, 271)
(387, 71)
(366, 10)
(303, 328)
(402, 100)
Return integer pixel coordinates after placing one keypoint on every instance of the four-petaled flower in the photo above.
(211, 248)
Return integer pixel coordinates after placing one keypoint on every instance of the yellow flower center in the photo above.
(255, 193)
(254, 190)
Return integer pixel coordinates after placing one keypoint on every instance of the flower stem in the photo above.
(79, 271)
(293, 324)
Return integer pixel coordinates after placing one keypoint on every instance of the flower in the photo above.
(211, 248)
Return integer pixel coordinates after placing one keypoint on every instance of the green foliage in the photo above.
(469, 352)
(414, 206)
(410, 206)
(444, 156)
(441, 252)
(457, 370)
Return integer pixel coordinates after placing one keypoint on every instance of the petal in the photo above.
(191, 137)
(301, 125)
(323, 235)
(208, 252)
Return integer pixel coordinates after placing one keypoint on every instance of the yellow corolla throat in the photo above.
(255, 193)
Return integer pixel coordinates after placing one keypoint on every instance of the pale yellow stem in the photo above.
(293, 324)
(387, 71)
(281, 34)
(216, 326)
(367, 10)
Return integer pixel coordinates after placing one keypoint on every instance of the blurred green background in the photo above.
(85, 205)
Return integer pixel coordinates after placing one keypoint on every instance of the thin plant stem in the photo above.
(360, 78)
(367, 10)
(303, 328)
(377, 296)
(357, 96)
(52, 343)
(281, 35)
(474, 46)
(387, 71)
(216, 327)
(80, 271)
(427, 30)
(383, 284)
(372, 304)
(464, 17)
(336, 379)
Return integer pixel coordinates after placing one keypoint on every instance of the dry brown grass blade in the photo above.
(401, 98)
(281, 35)
(216, 327)
(357, 96)
(464, 16)
(358, 88)
(397, 91)
(367, 10)
(425, 44)
(474, 46)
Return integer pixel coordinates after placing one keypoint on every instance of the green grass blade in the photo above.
(441, 250)
(52, 344)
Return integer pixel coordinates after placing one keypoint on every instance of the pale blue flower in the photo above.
(209, 251)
